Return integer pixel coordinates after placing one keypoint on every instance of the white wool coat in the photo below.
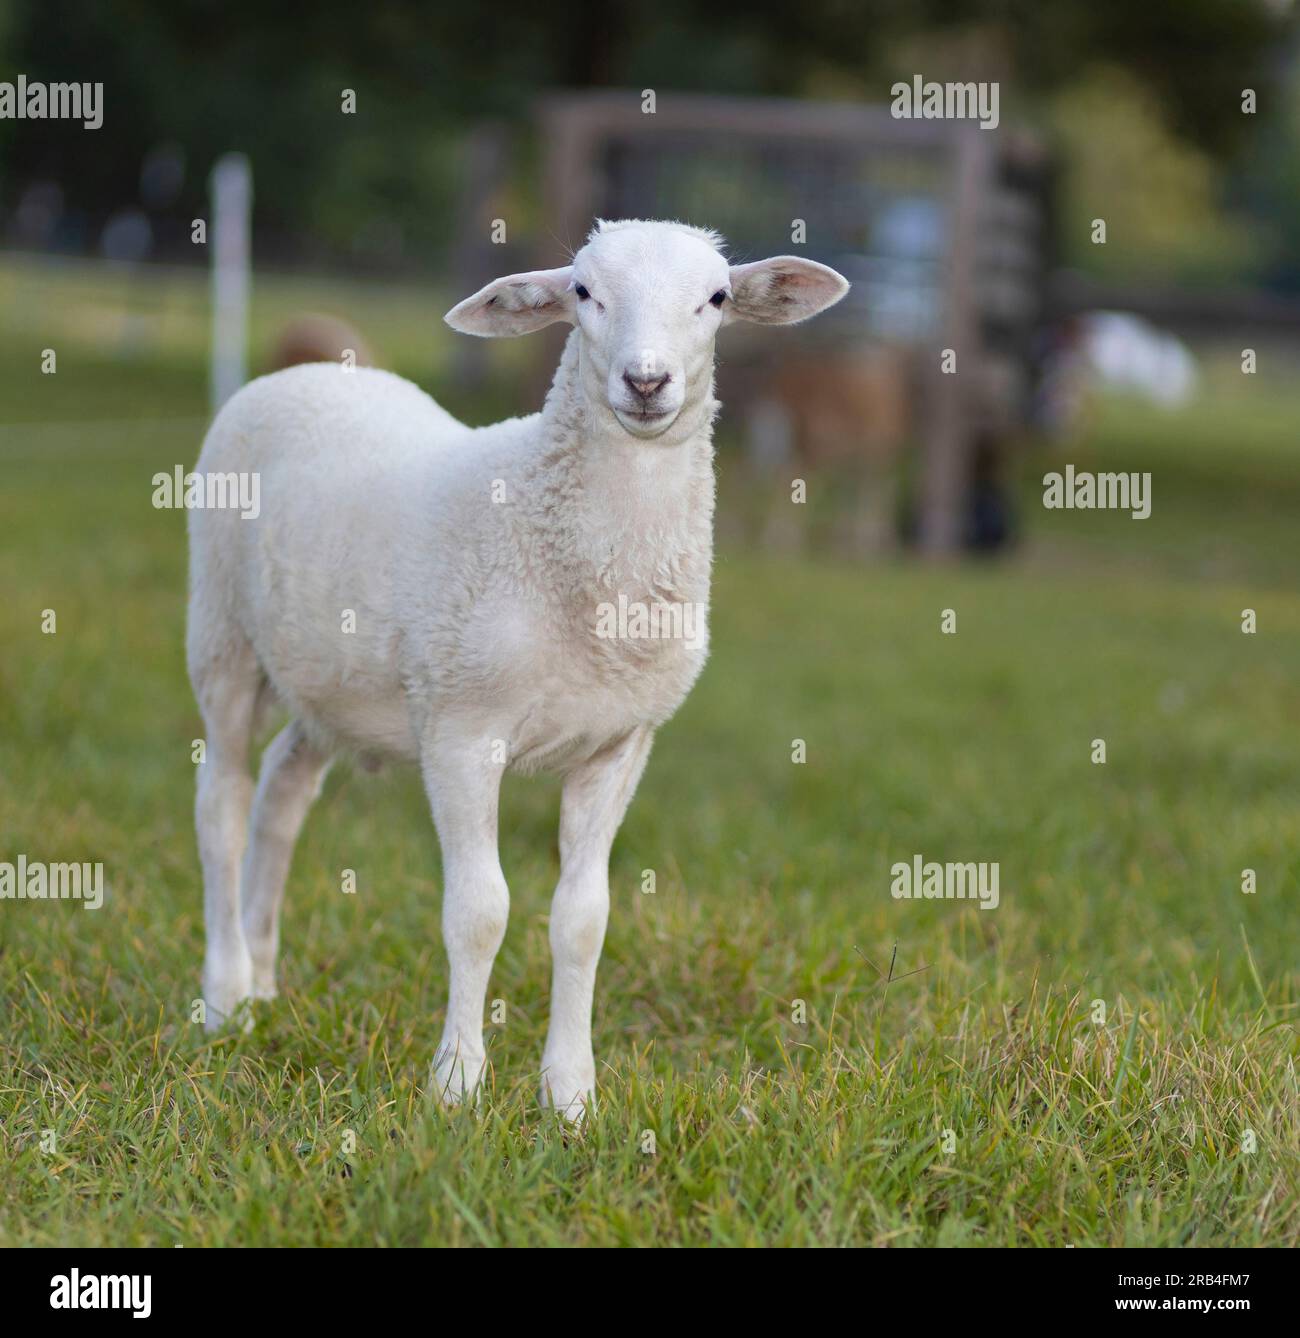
(471, 563)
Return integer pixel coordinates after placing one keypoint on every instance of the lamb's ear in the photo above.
(783, 290)
(517, 304)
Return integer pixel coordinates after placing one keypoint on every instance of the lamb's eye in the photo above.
(718, 298)
(582, 293)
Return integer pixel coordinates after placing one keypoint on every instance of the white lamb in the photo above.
(417, 588)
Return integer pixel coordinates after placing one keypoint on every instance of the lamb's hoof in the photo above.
(264, 982)
(568, 1091)
(228, 994)
(237, 1017)
(457, 1077)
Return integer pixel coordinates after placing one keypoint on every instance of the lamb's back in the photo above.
(311, 413)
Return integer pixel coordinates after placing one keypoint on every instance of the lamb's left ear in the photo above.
(783, 290)
(516, 305)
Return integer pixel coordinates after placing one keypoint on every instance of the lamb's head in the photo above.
(648, 299)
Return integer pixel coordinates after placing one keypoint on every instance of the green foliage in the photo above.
(381, 186)
(1157, 195)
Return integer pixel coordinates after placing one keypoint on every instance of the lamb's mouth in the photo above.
(645, 422)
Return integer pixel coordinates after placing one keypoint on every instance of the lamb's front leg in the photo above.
(596, 796)
(464, 783)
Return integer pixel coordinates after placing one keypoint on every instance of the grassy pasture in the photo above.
(984, 1100)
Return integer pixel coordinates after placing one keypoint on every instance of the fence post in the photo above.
(946, 453)
(231, 193)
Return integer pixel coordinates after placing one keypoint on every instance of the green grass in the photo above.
(1119, 883)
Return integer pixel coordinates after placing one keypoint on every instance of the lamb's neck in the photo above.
(633, 512)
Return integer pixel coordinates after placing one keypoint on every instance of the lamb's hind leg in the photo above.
(596, 796)
(292, 771)
(226, 686)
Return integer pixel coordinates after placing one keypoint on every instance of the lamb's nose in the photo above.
(645, 389)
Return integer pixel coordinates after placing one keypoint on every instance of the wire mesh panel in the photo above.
(877, 216)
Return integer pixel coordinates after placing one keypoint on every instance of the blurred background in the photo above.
(480, 141)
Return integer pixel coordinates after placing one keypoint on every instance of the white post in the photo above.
(231, 189)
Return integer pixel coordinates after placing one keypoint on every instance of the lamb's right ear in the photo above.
(517, 304)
